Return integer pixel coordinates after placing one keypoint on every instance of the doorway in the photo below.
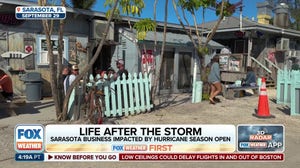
(184, 70)
(167, 71)
(104, 59)
(240, 46)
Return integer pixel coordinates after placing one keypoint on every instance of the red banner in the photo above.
(147, 62)
(201, 157)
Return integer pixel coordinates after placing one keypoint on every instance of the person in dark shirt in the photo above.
(65, 72)
(250, 77)
(121, 69)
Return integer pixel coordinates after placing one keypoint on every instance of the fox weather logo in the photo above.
(29, 138)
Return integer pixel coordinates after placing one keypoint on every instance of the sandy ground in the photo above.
(178, 110)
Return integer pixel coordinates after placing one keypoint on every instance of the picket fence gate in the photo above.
(288, 89)
(124, 97)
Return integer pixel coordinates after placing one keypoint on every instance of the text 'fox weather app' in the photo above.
(29, 138)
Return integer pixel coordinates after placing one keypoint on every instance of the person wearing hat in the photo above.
(121, 69)
(119, 74)
(70, 78)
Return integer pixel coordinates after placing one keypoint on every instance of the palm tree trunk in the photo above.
(161, 54)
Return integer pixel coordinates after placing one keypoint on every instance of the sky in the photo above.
(249, 10)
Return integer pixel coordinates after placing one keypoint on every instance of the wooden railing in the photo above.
(271, 63)
(261, 65)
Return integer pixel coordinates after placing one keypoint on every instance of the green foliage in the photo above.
(228, 10)
(294, 6)
(109, 3)
(116, 14)
(128, 7)
(143, 26)
(133, 7)
(205, 96)
(203, 50)
(141, 35)
(194, 5)
(83, 4)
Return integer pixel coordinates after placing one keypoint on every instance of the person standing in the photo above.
(121, 69)
(214, 80)
(70, 78)
(6, 86)
(119, 74)
(65, 72)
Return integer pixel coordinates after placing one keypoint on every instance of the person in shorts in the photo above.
(214, 80)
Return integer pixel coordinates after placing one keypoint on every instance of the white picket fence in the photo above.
(123, 97)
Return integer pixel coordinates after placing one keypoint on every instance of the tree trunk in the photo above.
(200, 47)
(51, 65)
(204, 72)
(59, 78)
(48, 32)
(85, 70)
(157, 76)
(55, 78)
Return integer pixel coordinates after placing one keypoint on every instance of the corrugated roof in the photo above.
(181, 39)
(229, 23)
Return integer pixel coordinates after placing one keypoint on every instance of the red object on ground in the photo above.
(100, 121)
(263, 110)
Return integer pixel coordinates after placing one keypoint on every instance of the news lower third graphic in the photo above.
(110, 143)
(261, 138)
(151, 138)
(29, 142)
(40, 12)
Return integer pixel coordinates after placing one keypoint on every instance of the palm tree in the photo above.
(83, 4)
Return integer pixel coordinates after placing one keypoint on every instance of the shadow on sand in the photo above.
(21, 107)
(171, 100)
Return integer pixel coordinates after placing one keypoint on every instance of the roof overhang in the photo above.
(175, 39)
(266, 29)
(106, 42)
